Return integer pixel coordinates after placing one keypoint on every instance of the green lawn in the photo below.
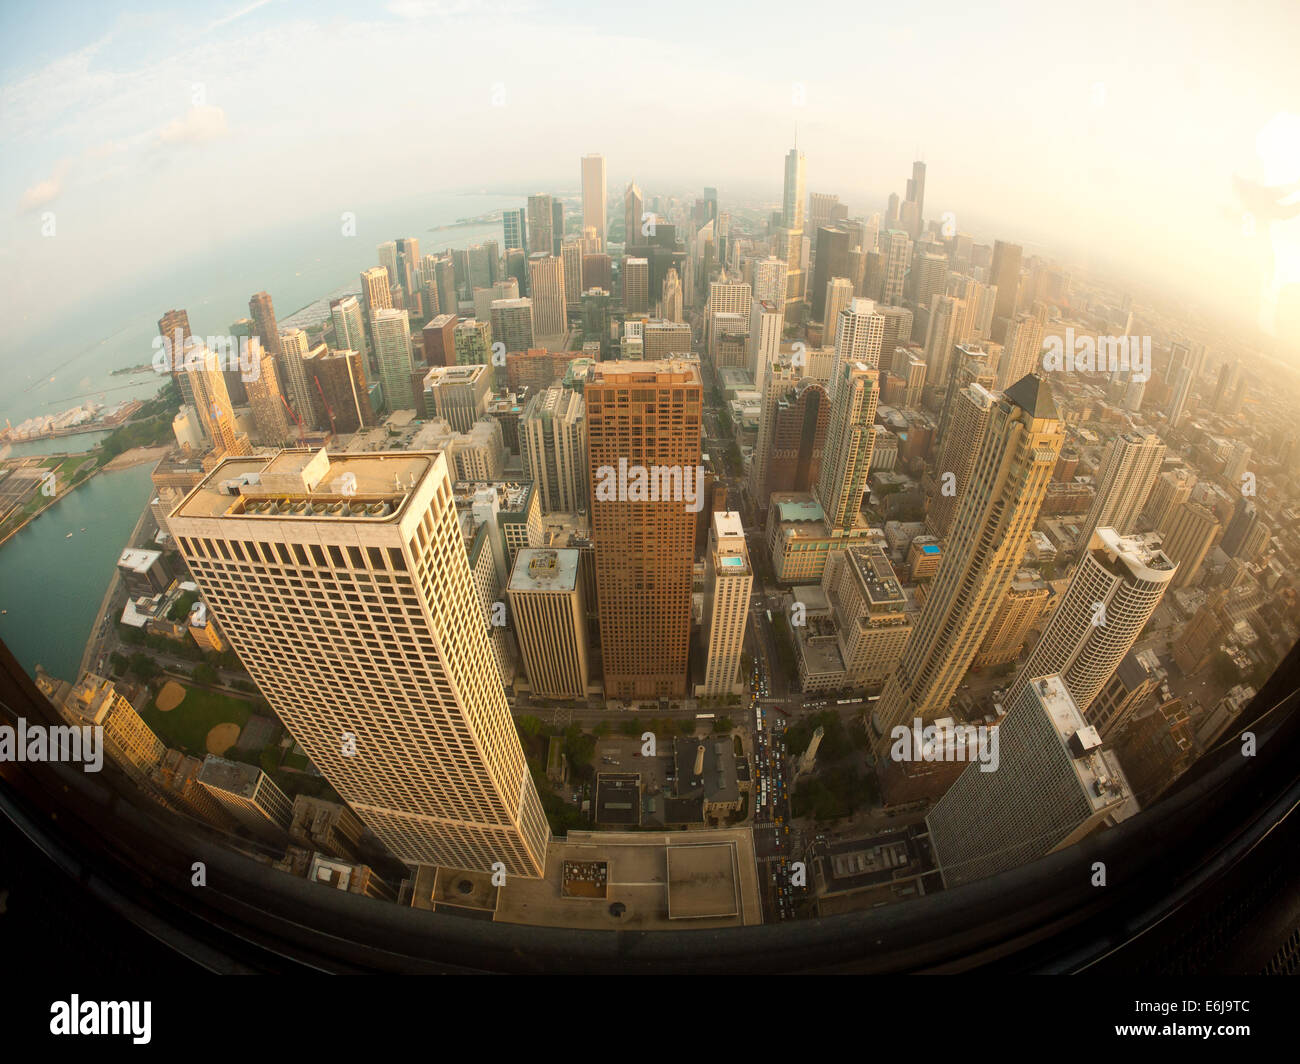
(187, 725)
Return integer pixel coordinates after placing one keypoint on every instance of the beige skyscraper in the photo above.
(846, 460)
(392, 333)
(671, 305)
(550, 620)
(643, 432)
(971, 409)
(942, 335)
(792, 199)
(766, 324)
(1021, 351)
(375, 290)
(999, 507)
(858, 338)
(769, 280)
(1021, 609)
(1171, 489)
(541, 226)
(344, 587)
(728, 579)
(293, 373)
(553, 445)
(839, 293)
(212, 400)
(571, 256)
(270, 419)
(1124, 484)
(1188, 530)
(1114, 591)
(593, 196)
(546, 289)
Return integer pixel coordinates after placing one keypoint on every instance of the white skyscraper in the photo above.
(1113, 593)
(766, 322)
(792, 199)
(392, 333)
(728, 579)
(343, 585)
(1124, 483)
(857, 338)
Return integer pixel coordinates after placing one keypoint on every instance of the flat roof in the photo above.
(545, 569)
(138, 560)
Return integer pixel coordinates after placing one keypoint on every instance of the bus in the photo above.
(769, 616)
(847, 701)
(703, 716)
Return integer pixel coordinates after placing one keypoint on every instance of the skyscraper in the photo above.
(1124, 485)
(270, 419)
(593, 196)
(293, 373)
(375, 290)
(897, 247)
(384, 675)
(349, 327)
(961, 445)
(553, 445)
(392, 332)
(728, 579)
(643, 422)
(1113, 593)
(1182, 388)
(832, 261)
(846, 460)
(541, 225)
(839, 294)
(512, 323)
(793, 195)
(633, 208)
(174, 324)
(549, 611)
(1187, 531)
(1007, 485)
(546, 289)
(1053, 785)
(1005, 273)
(262, 312)
(857, 339)
(514, 229)
(636, 285)
(1022, 347)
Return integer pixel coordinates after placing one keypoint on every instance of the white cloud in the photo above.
(199, 125)
(40, 194)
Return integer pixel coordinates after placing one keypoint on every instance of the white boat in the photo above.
(68, 536)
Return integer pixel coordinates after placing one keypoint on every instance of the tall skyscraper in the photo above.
(916, 192)
(375, 290)
(1005, 273)
(553, 446)
(897, 247)
(392, 332)
(1022, 348)
(846, 460)
(728, 579)
(832, 260)
(1182, 388)
(593, 196)
(349, 327)
(670, 306)
(541, 225)
(766, 323)
(1245, 517)
(792, 198)
(384, 675)
(571, 256)
(293, 373)
(514, 228)
(998, 509)
(171, 326)
(546, 289)
(549, 611)
(633, 208)
(512, 323)
(270, 419)
(643, 421)
(1188, 531)
(1124, 485)
(857, 339)
(1171, 489)
(1053, 785)
(261, 310)
(1116, 588)
(961, 445)
(839, 294)
(636, 285)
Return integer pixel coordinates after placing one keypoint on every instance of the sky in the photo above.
(134, 136)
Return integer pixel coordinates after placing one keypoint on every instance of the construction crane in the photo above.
(328, 409)
(302, 433)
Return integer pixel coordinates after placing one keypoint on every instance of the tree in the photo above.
(143, 666)
(722, 725)
(530, 725)
(270, 759)
(204, 673)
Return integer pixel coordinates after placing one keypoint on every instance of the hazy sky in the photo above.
(1110, 130)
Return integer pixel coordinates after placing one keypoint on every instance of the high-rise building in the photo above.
(1188, 530)
(388, 682)
(636, 285)
(1053, 785)
(514, 229)
(1005, 274)
(858, 338)
(546, 289)
(643, 422)
(943, 334)
(1022, 348)
(665, 339)
(961, 445)
(670, 306)
(1123, 485)
(293, 373)
(553, 446)
(793, 423)
(793, 195)
(839, 294)
(929, 278)
(549, 612)
(174, 328)
(473, 340)
(557, 226)
(832, 260)
(846, 460)
(95, 702)
(571, 256)
(766, 324)
(1171, 489)
(392, 333)
(1116, 588)
(916, 194)
(349, 327)
(212, 401)
(250, 796)
(262, 312)
(897, 247)
(998, 509)
(1020, 611)
(728, 579)
(340, 396)
(541, 225)
(1245, 518)
(458, 394)
(633, 209)
(1182, 388)
(439, 337)
(593, 196)
(512, 323)
(376, 291)
(270, 418)
(769, 280)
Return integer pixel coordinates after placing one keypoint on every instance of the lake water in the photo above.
(51, 585)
